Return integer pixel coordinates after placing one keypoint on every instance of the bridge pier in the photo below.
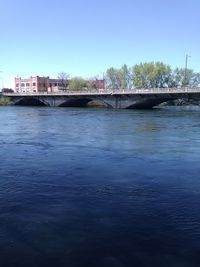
(118, 102)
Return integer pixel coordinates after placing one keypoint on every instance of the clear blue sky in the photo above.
(85, 37)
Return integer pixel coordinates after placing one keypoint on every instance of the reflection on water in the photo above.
(97, 187)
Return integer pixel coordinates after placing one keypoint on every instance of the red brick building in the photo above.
(46, 85)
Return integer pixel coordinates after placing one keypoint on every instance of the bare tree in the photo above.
(64, 79)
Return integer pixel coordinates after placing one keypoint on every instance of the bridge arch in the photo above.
(30, 101)
(148, 102)
(75, 102)
(83, 102)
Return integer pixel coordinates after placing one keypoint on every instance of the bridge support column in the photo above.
(117, 101)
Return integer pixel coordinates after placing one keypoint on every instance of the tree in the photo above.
(195, 80)
(151, 75)
(91, 83)
(113, 78)
(125, 77)
(182, 78)
(119, 78)
(64, 79)
(77, 83)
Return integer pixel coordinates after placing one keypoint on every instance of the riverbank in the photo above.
(182, 102)
(4, 101)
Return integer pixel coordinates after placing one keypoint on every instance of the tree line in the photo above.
(151, 75)
(143, 75)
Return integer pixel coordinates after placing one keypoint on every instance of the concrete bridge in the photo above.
(118, 98)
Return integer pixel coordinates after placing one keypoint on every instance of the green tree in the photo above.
(78, 83)
(125, 77)
(195, 80)
(113, 78)
(162, 75)
(119, 78)
(151, 75)
(182, 78)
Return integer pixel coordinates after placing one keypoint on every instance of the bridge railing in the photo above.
(111, 91)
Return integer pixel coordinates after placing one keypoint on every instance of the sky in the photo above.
(86, 37)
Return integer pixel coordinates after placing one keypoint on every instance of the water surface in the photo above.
(99, 187)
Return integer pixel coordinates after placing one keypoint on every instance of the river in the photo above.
(83, 187)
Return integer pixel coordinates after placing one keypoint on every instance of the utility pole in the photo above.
(1, 82)
(185, 73)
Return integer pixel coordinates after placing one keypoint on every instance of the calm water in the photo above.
(98, 187)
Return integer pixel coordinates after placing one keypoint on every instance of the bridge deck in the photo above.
(113, 92)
